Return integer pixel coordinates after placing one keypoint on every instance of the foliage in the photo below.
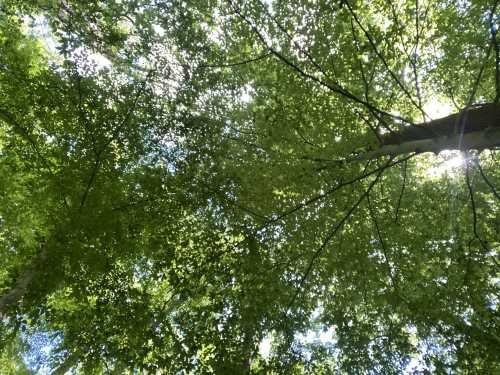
(178, 186)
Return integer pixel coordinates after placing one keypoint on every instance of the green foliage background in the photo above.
(174, 187)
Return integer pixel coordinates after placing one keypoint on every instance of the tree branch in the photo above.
(10, 119)
(396, 216)
(384, 62)
(473, 207)
(481, 70)
(479, 140)
(382, 242)
(334, 87)
(335, 188)
(237, 63)
(488, 182)
(332, 233)
(15, 294)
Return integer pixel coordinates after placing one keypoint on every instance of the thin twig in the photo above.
(98, 154)
(334, 87)
(481, 70)
(332, 233)
(237, 63)
(396, 216)
(488, 182)
(337, 187)
(381, 241)
(11, 120)
(411, 60)
(473, 207)
(366, 85)
(384, 62)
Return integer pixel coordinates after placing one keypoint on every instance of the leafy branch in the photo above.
(332, 233)
(334, 87)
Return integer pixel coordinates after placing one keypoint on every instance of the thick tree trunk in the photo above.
(477, 128)
(486, 139)
(15, 295)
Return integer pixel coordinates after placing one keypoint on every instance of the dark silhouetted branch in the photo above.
(473, 208)
(332, 233)
(403, 185)
(381, 242)
(488, 53)
(237, 63)
(488, 182)
(334, 87)
(384, 62)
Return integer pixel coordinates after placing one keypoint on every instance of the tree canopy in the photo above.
(249, 187)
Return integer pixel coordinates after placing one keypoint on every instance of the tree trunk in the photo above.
(14, 296)
(477, 128)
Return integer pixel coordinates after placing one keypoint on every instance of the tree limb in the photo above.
(332, 233)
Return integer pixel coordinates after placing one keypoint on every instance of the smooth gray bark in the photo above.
(15, 295)
(486, 139)
(476, 128)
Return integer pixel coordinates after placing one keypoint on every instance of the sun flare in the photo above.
(447, 163)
